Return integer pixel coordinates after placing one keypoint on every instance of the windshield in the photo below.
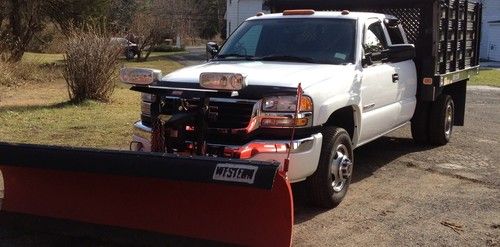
(314, 40)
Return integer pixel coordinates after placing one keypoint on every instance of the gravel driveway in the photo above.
(402, 194)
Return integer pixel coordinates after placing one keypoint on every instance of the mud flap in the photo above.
(229, 201)
(1, 189)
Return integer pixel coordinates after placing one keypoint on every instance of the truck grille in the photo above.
(226, 115)
(231, 115)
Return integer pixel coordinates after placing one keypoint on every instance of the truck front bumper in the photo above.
(304, 156)
(141, 140)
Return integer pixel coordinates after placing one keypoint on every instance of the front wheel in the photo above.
(130, 54)
(328, 185)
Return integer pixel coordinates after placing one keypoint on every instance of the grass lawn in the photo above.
(157, 60)
(487, 77)
(39, 113)
(51, 120)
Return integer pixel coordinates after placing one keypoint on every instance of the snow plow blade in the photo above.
(228, 201)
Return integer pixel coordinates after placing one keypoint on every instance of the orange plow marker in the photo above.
(229, 201)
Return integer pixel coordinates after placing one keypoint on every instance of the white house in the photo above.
(240, 10)
(490, 43)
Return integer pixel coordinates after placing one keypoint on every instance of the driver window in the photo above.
(375, 41)
(247, 44)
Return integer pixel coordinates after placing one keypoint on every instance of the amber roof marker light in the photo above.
(299, 12)
(345, 12)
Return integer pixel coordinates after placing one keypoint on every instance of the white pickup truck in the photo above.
(360, 77)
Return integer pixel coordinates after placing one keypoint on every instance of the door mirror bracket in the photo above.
(212, 50)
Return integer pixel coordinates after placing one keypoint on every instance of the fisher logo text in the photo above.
(235, 173)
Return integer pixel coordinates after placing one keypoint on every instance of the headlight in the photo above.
(139, 76)
(223, 81)
(287, 104)
(279, 112)
(286, 121)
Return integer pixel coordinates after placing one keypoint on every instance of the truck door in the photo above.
(406, 73)
(379, 91)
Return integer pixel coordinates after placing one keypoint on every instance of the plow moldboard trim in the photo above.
(125, 163)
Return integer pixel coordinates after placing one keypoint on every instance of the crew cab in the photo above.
(312, 86)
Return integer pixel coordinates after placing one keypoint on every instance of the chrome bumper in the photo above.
(304, 155)
(143, 132)
(141, 140)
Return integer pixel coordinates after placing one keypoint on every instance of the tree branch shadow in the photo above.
(31, 108)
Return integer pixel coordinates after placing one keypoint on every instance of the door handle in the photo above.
(395, 78)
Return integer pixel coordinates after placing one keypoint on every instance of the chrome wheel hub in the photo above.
(341, 168)
(448, 121)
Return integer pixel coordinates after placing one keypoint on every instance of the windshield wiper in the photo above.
(236, 55)
(286, 58)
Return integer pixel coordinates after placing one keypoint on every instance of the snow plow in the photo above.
(228, 201)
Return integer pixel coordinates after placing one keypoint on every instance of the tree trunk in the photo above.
(148, 53)
(24, 22)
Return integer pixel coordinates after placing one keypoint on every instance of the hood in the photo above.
(263, 73)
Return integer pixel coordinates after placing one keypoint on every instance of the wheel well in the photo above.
(343, 118)
(458, 92)
(2, 189)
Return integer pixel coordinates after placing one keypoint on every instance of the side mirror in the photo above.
(367, 60)
(212, 50)
(399, 53)
(373, 57)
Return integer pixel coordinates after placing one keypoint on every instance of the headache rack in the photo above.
(446, 34)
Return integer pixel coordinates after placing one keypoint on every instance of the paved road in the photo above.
(194, 56)
(402, 194)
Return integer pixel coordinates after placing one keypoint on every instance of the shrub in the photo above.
(6, 75)
(91, 62)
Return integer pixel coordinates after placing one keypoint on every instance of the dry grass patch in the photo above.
(40, 113)
(15, 74)
(53, 120)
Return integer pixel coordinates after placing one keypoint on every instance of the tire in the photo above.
(441, 119)
(336, 152)
(419, 124)
(130, 54)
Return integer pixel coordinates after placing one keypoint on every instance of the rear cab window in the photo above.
(395, 32)
(375, 40)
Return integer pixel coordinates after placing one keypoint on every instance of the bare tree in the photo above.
(23, 20)
(157, 20)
